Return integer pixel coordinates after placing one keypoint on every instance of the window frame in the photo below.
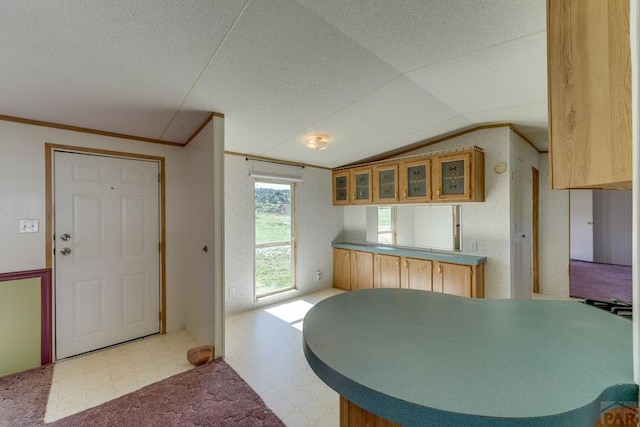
(292, 242)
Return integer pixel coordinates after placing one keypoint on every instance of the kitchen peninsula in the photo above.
(423, 358)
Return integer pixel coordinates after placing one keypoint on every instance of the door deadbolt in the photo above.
(65, 251)
(65, 237)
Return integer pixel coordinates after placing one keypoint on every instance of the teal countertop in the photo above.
(424, 358)
(435, 255)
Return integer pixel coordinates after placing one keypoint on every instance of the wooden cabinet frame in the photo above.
(407, 180)
(341, 193)
(398, 190)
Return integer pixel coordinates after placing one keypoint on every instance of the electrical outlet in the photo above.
(473, 246)
(231, 292)
(318, 275)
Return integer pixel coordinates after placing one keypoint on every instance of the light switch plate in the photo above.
(28, 226)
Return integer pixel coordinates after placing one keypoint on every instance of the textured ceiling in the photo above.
(375, 75)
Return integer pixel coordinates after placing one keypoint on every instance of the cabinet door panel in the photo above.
(415, 181)
(361, 187)
(417, 274)
(385, 189)
(361, 270)
(455, 279)
(342, 269)
(386, 271)
(341, 191)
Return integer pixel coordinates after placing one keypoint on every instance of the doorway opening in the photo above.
(600, 244)
(105, 221)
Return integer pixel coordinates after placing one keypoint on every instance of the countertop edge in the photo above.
(411, 414)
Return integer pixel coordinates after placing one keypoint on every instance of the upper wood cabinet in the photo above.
(459, 177)
(415, 181)
(589, 78)
(352, 187)
(385, 183)
(341, 190)
(361, 186)
(450, 177)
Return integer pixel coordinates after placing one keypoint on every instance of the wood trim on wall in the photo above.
(108, 133)
(46, 301)
(49, 149)
(429, 142)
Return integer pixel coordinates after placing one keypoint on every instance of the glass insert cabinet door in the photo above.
(386, 188)
(362, 184)
(341, 188)
(415, 179)
(453, 177)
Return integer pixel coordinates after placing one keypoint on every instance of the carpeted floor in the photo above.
(23, 397)
(600, 281)
(209, 395)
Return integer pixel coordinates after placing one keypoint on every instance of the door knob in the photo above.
(65, 237)
(65, 251)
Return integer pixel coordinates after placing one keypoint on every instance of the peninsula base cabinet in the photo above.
(354, 270)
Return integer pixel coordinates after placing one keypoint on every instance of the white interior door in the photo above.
(107, 258)
(581, 225)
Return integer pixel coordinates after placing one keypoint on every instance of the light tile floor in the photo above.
(87, 381)
(265, 347)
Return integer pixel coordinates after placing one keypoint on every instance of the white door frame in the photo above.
(50, 220)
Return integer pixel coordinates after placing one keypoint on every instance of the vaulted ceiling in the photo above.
(375, 75)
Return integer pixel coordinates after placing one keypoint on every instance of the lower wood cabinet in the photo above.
(417, 274)
(456, 279)
(386, 271)
(354, 270)
(342, 269)
(361, 270)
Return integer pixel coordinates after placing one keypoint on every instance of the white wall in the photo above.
(198, 232)
(315, 223)
(22, 196)
(554, 235)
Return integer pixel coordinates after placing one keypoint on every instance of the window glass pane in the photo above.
(273, 269)
(273, 212)
(385, 225)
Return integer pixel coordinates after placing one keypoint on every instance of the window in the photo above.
(274, 232)
(387, 225)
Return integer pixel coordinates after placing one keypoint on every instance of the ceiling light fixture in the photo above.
(317, 142)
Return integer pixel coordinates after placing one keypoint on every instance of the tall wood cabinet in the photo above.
(589, 79)
(361, 270)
